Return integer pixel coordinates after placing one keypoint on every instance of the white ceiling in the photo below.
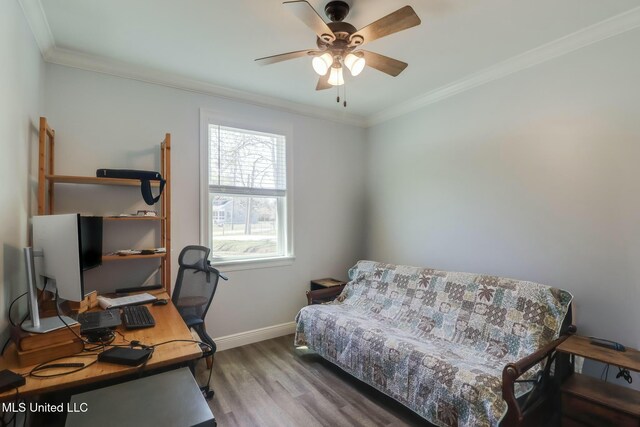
(216, 42)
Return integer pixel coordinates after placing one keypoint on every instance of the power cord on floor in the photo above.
(201, 343)
(605, 373)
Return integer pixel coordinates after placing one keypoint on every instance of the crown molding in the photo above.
(37, 20)
(602, 30)
(83, 61)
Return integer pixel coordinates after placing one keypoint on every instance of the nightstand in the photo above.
(588, 401)
(324, 290)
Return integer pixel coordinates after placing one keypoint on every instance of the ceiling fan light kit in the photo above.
(355, 62)
(322, 63)
(336, 78)
(338, 41)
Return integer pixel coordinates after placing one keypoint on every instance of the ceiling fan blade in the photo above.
(391, 66)
(307, 14)
(399, 20)
(323, 82)
(285, 56)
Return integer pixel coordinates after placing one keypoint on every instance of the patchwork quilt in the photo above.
(435, 341)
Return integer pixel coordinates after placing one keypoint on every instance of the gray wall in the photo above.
(21, 75)
(105, 121)
(534, 176)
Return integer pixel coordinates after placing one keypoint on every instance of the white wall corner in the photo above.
(599, 31)
(37, 20)
(256, 335)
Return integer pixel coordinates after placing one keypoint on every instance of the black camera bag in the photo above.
(145, 178)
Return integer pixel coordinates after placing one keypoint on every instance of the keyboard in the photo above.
(136, 317)
(98, 320)
(123, 301)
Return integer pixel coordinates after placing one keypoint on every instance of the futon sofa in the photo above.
(459, 349)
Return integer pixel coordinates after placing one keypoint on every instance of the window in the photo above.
(245, 208)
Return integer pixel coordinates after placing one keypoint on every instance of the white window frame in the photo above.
(285, 226)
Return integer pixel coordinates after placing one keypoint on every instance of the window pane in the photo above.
(246, 159)
(244, 227)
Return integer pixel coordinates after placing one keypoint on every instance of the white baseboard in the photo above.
(256, 335)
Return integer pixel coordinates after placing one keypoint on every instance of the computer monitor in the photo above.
(65, 245)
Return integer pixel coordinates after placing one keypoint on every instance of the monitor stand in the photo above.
(47, 324)
(37, 325)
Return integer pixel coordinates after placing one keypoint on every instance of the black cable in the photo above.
(46, 365)
(11, 306)
(84, 342)
(194, 341)
(13, 418)
(625, 374)
(4, 347)
(26, 316)
(102, 344)
(122, 336)
(209, 380)
(605, 373)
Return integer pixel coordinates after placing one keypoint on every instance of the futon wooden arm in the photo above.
(513, 371)
(321, 295)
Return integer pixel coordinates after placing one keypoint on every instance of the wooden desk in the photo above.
(169, 326)
(589, 401)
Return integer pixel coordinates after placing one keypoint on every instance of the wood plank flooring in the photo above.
(271, 383)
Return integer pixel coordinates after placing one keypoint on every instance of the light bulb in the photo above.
(322, 63)
(336, 78)
(354, 63)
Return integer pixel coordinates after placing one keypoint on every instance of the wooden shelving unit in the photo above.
(131, 257)
(133, 218)
(67, 179)
(47, 179)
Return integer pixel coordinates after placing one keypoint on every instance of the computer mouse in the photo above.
(160, 302)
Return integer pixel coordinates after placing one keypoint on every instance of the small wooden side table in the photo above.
(324, 290)
(324, 283)
(588, 401)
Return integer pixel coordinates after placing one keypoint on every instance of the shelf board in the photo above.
(599, 392)
(581, 346)
(133, 218)
(130, 257)
(92, 180)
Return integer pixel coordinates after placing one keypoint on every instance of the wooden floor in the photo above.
(272, 384)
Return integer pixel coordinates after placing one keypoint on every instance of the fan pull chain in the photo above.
(344, 90)
(338, 92)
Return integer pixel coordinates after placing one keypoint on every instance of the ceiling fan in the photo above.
(339, 42)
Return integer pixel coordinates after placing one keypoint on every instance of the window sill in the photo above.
(250, 264)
